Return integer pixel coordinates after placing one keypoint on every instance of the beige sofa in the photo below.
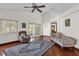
(63, 41)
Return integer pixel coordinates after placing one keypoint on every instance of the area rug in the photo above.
(35, 48)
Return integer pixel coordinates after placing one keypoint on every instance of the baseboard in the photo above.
(77, 48)
(46, 36)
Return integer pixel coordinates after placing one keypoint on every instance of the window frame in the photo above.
(33, 28)
(8, 20)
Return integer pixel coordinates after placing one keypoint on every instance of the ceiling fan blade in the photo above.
(39, 10)
(41, 6)
(33, 9)
(27, 7)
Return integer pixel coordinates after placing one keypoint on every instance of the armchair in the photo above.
(23, 37)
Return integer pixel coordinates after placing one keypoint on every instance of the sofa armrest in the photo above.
(73, 40)
(69, 41)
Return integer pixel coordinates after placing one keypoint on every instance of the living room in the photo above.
(15, 17)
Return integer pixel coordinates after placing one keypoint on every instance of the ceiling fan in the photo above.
(34, 6)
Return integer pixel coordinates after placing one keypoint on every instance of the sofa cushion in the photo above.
(58, 35)
(63, 36)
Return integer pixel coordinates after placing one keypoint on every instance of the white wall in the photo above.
(25, 17)
(73, 30)
(47, 28)
(8, 37)
(47, 17)
(46, 23)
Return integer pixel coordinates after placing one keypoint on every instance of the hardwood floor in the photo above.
(8, 45)
(56, 50)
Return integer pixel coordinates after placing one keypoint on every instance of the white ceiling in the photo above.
(55, 7)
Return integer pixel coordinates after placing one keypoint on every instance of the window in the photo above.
(37, 29)
(34, 29)
(31, 29)
(8, 26)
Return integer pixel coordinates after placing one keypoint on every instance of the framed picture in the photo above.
(53, 27)
(67, 22)
(23, 25)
